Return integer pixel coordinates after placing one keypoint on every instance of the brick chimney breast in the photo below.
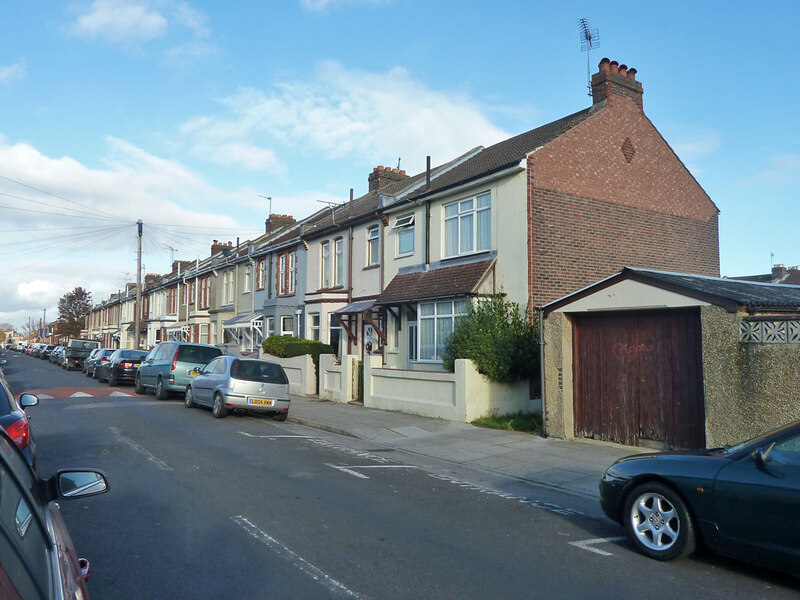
(382, 176)
(275, 222)
(614, 81)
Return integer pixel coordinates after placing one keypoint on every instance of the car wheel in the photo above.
(219, 410)
(137, 385)
(188, 399)
(94, 373)
(280, 416)
(86, 371)
(658, 522)
(161, 391)
(112, 381)
(100, 377)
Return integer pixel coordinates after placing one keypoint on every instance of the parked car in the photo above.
(44, 353)
(229, 383)
(35, 349)
(169, 365)
(77, 350)
(37, 556)
(88, 362)
(101, 357)
(14, 420)
(56, 356)
(739, 501)
(121, 366)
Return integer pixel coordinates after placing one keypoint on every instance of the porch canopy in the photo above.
(348, 317)
(250, 325)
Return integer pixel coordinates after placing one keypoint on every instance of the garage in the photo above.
(671, 360)
(638, 378)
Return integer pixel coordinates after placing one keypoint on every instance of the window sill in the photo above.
(370, 267)
(465, 255)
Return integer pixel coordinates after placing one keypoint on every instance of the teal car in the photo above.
(170, 366)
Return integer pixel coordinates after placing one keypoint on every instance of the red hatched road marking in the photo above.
(67, 392)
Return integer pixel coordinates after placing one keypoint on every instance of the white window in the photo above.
(436, 322)
(373, 246)
(282, 274)
(261, 275)
(412, 340)
(247, 275)
(326, 264)
(269, 326)
(287, 326)
(292, 269)
(335, 334)
(314, 326)
(404, 231)
(468, 225)
(338, 265)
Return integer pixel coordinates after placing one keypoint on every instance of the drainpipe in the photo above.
(541, 371)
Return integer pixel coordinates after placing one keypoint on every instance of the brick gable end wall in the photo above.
(597, 203)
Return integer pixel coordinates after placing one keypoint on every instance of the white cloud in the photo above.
(321, 5)
(693, 144)
(345, 113)
(12, 72)
(135, 21)
(785, 171)
(120, 21)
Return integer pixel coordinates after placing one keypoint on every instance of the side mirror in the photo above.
(762, 454)
(79, 484)
(26, 400)
(2, 361)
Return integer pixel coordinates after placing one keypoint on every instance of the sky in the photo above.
(188, 114)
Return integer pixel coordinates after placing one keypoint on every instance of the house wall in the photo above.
(750, 388)
(592, 212)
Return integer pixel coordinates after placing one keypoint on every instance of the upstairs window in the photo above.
(338, 266)
(404, 231)
(326, 265)
(373, 246)
(468, 225)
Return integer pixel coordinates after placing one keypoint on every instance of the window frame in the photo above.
(437, 318)
(373, 246)
(325, 264)
(460, 218)
(403, 226)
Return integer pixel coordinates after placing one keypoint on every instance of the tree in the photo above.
(72, 310)
(30, 327)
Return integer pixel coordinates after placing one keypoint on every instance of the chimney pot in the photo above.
(614, 66)
(604, 64)
(623, 70)
(632, 74)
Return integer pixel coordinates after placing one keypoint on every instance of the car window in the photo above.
(134, 354)
(209, 368)
(251, 370)
(162, 351)
(24, 544)
(198, 354)
(5, 395)
(152, 354)
(221, 367)
(787, 452)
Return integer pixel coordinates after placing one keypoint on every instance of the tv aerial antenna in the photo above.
(590, 40)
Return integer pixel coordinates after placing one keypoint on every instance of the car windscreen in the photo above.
(251, 370)
(132, 354)
(83, 344)
(200, 355)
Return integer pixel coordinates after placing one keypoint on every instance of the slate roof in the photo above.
(458, 280)
(730, 293)
(506, 153)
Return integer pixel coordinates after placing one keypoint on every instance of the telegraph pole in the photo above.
(137, 319)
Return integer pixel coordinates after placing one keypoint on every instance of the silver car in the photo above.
(229, 383)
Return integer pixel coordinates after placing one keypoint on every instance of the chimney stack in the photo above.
(383, 176)
(275, 222)
(779, 273)
(614, 81)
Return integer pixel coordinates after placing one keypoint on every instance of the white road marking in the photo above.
(81, 395)
(349, 471)
(121, 394)
(522, 500)
(588, 545)
(333, 586)
(270, 437)
(141, 450)
(45, 397)
(351, 468)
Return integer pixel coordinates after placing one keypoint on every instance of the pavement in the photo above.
(571, 466)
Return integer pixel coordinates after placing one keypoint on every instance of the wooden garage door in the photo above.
(638, 378)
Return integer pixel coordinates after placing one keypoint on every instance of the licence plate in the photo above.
(261, 401)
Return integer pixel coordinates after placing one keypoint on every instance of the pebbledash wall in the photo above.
(751, 373)
(611, 193)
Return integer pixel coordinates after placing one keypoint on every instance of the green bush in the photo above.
(299, 347)
(276, 344)
(498, 337)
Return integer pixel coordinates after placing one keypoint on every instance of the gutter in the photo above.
(541, 370)
(519, 167)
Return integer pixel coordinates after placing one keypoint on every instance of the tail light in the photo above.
(127, 364)
(20, 432)
(175, 359)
